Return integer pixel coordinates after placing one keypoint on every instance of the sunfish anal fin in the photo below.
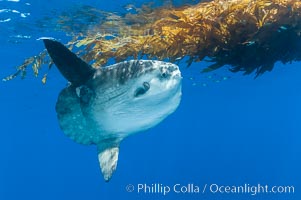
(108, 158)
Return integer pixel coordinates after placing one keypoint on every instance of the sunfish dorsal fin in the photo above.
(72, 67)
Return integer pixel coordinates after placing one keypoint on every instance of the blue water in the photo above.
(230, 130)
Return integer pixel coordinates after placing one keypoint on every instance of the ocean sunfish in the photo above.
(105, 105)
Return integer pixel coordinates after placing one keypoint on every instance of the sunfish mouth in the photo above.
(105, 105)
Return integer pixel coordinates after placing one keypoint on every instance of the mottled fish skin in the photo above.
(121, 72)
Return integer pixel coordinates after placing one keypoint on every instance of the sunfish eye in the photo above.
(142, 90)
(146, 85)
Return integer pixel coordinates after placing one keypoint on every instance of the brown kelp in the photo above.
(247, 35)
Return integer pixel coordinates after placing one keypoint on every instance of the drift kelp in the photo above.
(247, 35)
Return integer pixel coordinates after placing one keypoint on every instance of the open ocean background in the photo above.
(230, 129)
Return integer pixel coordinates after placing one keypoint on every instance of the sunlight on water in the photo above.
(15, 18)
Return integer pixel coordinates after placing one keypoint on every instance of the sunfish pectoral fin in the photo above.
(108, 158)
(72, 67)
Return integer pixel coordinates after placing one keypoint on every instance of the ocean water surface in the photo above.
(229, 130)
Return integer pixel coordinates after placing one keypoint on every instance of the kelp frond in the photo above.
(248, 35)
(36, 63)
